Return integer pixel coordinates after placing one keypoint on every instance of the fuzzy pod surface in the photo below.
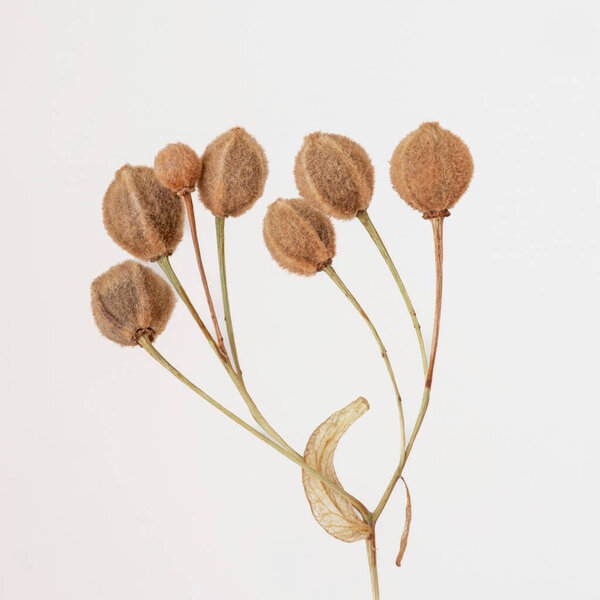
(431, 168)
(234, 171)
(142, 216)
(177, 167)
(300, 237)
(335, 173)
(130, 299)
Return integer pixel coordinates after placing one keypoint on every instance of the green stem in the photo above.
(336, 279)
(364, 218)
(372, 557)
(220, 226)
(165, 264)
(145, 343)
(398, 472)
(437, 224)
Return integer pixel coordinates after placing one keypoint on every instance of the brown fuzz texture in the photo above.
(431, 168)
(177, 167)
(300, 237)
(140, 215)
(234, 171)
(129, 300)
(335, 173)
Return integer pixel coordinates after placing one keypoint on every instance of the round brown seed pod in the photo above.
(177, 167)
(300, 237)
(431, 168)
(335, 173)
(140, 215)
(129, 300)
(234, 171)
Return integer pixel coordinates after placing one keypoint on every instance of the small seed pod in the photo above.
(335, 173)
(431, 168)
(234, 171)
(129, 300)
(178, 167)
(140, 215)
(300, 237)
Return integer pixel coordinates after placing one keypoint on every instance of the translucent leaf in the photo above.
(333, 511)
(407, 520)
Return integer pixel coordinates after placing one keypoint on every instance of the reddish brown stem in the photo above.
(437, 224)
(187, 198)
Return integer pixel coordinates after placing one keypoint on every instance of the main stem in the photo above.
(364, 218)
(437, 224)
(220, 227)
(189, 206)
(145, 343)
(165, 264)
(372, 557)
(336, 279)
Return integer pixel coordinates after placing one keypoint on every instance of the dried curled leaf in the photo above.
(407, 520)
(331, 510)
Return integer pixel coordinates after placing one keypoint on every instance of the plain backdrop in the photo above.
(116, 482)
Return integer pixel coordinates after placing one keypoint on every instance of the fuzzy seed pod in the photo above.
(129, 300)
(234, 171)
(300, 237)
(140, 215)
(431, 168)
(177, 167)
(335, 173)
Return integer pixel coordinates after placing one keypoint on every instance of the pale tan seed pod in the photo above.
(335, 173)
(431, 168)
(300, 237)
(177, 167)
(142, 216)
(129, 300)
(234, 171)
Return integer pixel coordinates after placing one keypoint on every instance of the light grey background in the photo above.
(119, 483)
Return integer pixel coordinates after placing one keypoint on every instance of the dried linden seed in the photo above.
(177, 167)
(140, 215)
(335, 173)
(234, 171)
(129, 300)
(431, 168)
(300, 237)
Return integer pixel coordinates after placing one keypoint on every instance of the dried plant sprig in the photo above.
(130, 300)
(234, 171)
(431, 168)
(178, 168)
(335, 173)
(145, 342)
(140, 215)
(299, 237)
